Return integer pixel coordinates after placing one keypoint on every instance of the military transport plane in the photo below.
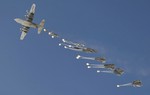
(28, 22)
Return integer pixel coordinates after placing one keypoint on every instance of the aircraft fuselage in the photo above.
(26, 23)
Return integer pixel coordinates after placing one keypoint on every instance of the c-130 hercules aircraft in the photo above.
(28, 22)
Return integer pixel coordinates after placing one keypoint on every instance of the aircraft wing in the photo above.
(23, 34)
(30, 14)
(24, 31)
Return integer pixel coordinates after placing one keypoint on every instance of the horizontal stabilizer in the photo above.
(41, 26)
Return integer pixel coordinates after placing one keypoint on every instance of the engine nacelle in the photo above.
(26, 16)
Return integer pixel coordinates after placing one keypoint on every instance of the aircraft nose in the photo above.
(16, 19)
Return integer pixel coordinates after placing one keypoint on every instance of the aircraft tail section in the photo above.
(41, 26)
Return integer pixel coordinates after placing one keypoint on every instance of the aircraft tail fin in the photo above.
(41, 26)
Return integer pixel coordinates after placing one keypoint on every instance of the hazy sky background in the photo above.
(118, 29)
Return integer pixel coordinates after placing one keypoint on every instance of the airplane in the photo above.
(28, 22)
(135, 83)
